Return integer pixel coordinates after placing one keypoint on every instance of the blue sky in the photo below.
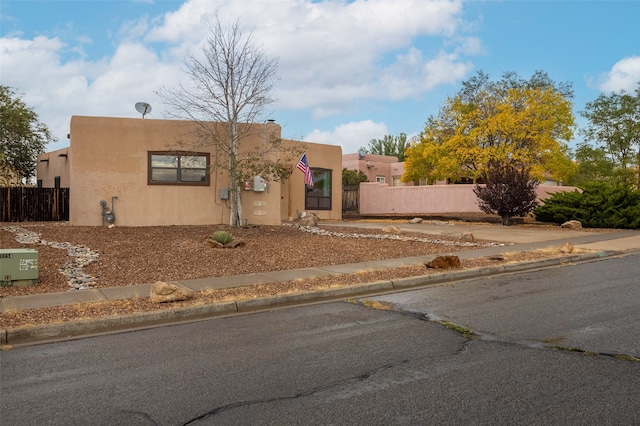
(349, 71)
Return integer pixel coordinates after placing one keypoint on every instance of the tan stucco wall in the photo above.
(319, 156)
(377, 198)
(53, 164)
(109, 158)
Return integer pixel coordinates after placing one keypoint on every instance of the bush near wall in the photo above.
(599, 205)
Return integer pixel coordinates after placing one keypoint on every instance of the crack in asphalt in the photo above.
(464, 348)
(355, 379)
(488, 337)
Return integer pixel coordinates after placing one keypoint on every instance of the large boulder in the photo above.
(444, 262)
(310, 219)
(162, 292)
(572, 224)
(416, 220)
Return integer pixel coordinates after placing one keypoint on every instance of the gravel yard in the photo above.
(136, 255)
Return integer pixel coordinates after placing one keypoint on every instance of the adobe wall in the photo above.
(376, 198)
(373, 165)
(110, 162)
(319, 156)
(51, 165)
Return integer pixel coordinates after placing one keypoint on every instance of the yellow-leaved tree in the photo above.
(528, 121)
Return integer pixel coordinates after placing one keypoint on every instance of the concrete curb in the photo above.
(76, 329)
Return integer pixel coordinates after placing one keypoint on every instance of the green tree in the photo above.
(394, 146)
(529, 121)
(508, 192)
(353, 177)
(593, 164)
(22, 137)
(614, 121)
(231, 83)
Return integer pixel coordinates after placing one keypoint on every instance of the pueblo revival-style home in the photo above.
(124, 171)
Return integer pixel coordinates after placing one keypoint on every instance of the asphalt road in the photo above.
(594, 306)
(339, 363)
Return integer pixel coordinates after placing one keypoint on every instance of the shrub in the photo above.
(223, 237)
(599, 205)
(353, 177)
(509, 191)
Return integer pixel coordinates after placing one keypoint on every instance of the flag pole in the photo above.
(290, 201)
(295, 166)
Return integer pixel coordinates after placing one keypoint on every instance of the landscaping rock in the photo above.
(416, 220)
(444, 262)
(162, 292)
(214, 244)
(392, 230)
(309, 220)
(496, 257)
(572, 224)
(467, 237)
(567, 248)
(234, 244)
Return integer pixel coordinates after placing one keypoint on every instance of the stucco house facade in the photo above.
(52, 169)
(131, 168)
(377, 168)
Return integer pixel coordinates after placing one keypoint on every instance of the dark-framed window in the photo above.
(319, 197)
(183, 168)
(56, 182)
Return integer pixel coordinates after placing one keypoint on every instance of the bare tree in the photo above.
(230, 83)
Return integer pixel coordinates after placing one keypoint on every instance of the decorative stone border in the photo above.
(81, 256)
(318, 231)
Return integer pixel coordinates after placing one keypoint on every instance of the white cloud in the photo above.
(59, 90)
(625, 75)
(334, 56)
(350, 136)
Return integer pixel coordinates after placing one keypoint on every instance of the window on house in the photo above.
(56, 182)
(380, 179)
(178, 168)
(319, 197)
(396, 181)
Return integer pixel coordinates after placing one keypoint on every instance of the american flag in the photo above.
(303, 165)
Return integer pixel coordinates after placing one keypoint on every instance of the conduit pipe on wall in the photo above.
(108, 215)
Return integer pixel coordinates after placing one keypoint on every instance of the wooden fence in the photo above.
(28, 204)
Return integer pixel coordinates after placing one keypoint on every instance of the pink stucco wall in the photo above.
(377, 198)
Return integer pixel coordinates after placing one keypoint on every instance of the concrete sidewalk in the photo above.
(516, 239)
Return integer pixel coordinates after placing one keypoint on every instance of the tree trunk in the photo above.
(235, 218)
(506, 220)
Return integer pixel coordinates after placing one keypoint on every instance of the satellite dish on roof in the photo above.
(143, 108)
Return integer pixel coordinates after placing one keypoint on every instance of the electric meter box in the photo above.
(259, 184)
(18, 267)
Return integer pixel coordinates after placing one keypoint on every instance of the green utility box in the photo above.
(18, 267)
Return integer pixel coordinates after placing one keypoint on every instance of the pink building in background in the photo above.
(378, 168)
